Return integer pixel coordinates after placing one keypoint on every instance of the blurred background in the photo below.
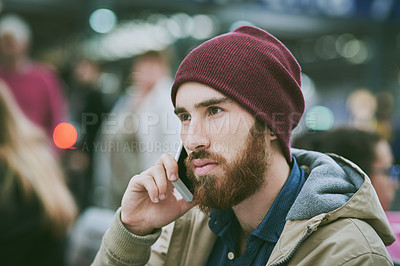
(349, 51)
(345, 47)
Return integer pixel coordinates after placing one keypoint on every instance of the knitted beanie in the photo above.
(252, 67)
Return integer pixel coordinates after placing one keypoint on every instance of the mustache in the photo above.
(201, 154)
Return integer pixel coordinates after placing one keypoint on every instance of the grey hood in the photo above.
(339, 188)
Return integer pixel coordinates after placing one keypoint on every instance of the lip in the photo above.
(203, 166)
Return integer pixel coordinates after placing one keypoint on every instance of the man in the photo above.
(238, 98)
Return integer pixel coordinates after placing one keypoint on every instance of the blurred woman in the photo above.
(36, 208)
(369, 151)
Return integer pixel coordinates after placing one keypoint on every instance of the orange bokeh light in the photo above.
(64, 135)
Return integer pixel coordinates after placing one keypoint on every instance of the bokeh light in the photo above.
(102, 20)
(240, 23)
(64, 135)
(203, 27)
(319, 118)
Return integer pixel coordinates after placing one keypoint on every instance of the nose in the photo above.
(195, 136)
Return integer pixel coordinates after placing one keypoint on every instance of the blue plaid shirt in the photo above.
(262, 240)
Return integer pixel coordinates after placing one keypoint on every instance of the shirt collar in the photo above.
(272, 225)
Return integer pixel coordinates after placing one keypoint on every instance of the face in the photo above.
(228, 151)
(146, 72)
(383, 184)
(11, 47)
(86, 72)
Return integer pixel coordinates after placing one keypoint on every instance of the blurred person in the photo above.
(88, 107)
(372, 153)
(384, 114)
(141, 127)
(310, 140)
(35, 86)
(85, 236)
(36, 208)
(87, 101)
(238, 96)
(362, 105)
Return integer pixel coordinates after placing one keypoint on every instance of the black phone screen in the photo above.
(182, 170)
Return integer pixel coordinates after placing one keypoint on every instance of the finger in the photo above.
(170, 166)
(159, 176)
(150, 185)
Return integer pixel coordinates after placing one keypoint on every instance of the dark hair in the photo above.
(354, 144)
(153, 55)
(308, 141)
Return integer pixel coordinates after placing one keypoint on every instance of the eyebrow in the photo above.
(206, 103)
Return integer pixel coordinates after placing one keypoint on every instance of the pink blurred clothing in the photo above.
(37, 90)
(394, 249)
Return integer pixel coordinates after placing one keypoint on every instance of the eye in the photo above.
(214, 110)
(184, 117)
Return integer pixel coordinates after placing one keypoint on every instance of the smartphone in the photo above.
(183, 184)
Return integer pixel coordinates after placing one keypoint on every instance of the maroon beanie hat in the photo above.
(256, 70)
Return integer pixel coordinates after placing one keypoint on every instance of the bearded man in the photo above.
(238, 98)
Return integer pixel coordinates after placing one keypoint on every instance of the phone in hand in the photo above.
(183, 184)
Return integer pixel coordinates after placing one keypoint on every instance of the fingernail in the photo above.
(173, 177)
(156, 200)
(162, 197)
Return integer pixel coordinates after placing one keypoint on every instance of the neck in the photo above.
(145, 88)
(252, 211)
(15, 63)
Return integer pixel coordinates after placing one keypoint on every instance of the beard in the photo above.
(241, 178)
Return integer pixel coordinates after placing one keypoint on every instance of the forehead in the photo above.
(191, 93)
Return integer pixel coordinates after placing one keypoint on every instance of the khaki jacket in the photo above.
(318, 231)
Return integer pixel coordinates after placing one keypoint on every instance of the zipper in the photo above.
(291, 254)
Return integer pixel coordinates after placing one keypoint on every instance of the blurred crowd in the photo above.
(64, 199)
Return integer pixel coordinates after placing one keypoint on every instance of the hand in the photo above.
(149, 201)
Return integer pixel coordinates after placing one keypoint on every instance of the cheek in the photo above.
(184, 134)
(379, 183)
(229, 145)
(383, 187)
(183, 131)
(230, 124)
(219, 126)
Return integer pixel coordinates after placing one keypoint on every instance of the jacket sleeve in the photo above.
(120, 247)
